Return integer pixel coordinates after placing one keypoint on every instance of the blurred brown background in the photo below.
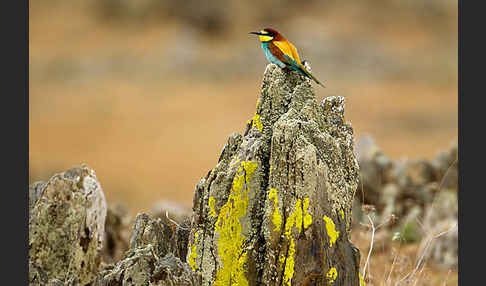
(146, 92)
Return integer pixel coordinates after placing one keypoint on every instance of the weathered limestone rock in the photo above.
(38, 277)
(66, 226)
(276, 209)
(154, 257)
(162, 234)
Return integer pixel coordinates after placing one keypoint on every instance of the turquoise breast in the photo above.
(271, 58)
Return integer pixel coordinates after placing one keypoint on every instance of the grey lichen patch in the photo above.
(66, 225)
(152, 231)
(141, 267)
(134, 269)
(165, 236)
(170, 270)
(35, 192)
(304, 170)
(154, 256)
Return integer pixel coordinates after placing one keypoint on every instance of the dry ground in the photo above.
(390, 262)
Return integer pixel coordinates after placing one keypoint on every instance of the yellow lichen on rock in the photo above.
(257, 122)
(276, 217)
(212, 211)
(295, 219)
(331, 230)
(193, 254)
(331, 275)
(228, 225)
(281, 259)
(234, 162)
(307, 216)
(249, 168)
(289, 264)
(361, 280)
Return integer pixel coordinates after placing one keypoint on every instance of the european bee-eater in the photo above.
(281, 52)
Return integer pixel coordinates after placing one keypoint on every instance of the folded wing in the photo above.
(288, 49)
(287, 53)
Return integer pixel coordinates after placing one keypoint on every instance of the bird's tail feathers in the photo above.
(301, 68)
(308, 74)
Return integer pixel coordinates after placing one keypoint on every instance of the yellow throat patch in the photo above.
(264, 38)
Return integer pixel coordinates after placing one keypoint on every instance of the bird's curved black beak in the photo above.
(256, 33)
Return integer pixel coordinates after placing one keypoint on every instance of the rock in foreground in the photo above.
(66, 227)
(154, 257)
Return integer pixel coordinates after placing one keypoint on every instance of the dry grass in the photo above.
(397, 264)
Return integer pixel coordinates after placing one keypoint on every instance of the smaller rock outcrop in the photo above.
(66, 227)
(154, 256)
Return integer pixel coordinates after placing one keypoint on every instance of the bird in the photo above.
(281, 52)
